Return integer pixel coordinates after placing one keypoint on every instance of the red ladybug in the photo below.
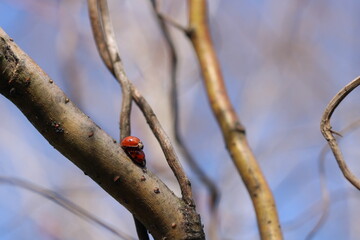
(133, 148)
(131, 142)
(138, 156)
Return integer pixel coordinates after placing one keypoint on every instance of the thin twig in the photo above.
(111, 53)
(232, 129)
(165, 144)
(325, 196)
(210, 185)
(112, 49)
(152, 120)
(98, 34)
(328, 133)
(324, 189)
(171, 21)
(63, 202)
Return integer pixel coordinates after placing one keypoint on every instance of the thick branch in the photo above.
(328, 133)
(232, 129)
(78, 138)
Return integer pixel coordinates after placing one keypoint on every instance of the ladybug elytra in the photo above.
(133, 148)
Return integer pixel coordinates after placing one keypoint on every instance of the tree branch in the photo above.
(63, 202)
(328, 133)
(111, 50)
(78, 138)
(233, 131)
(146, 109)
(210, 185)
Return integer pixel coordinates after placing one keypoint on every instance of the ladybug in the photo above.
(131, 142)
(133, 148)
(138, 156)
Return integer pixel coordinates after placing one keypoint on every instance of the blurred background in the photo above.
(282, 61)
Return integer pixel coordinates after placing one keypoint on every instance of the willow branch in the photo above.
(79, 139)
(328, 133)
(148, 113)
(232, 130)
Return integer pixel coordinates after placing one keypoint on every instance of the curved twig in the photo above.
(99, 14)
(324, 189)
(63, 202)
(328, 132)
(112, 49)
(233, 131)
(149, 115)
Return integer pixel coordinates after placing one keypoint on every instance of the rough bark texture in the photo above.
(78, 138)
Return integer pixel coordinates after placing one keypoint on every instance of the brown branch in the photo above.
(79, 139)
(210, 185)
(324, 189)
(111, 50)
(98, 34)
(63, 202)
(232, 129)
(328, 132)
(149, 115)
(168, 20)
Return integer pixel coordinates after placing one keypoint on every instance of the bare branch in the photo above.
(99, 35)
(210, 185)
(111, 46)
(165, 18)
(63, 202)
(79, 139)
(324, 189)
(233, 131)
(150, 117)
(328, 132)
(105, 37)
